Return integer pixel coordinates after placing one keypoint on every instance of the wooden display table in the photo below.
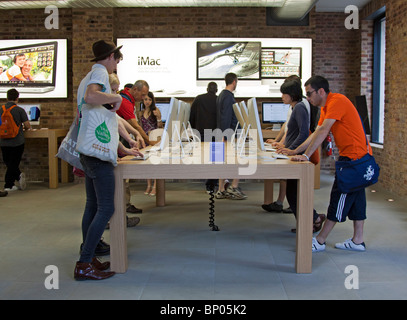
(52, 135)
(200, 169)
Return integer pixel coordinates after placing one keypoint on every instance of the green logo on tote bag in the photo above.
(102, 133)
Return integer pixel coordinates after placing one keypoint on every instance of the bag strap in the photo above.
(4, 107)
(124, 95)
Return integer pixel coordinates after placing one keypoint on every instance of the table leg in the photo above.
(160, 193)
(52, 160)
(305, 194)
(118, 225)
(268, 191)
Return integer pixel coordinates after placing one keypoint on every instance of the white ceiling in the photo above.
(321, 6)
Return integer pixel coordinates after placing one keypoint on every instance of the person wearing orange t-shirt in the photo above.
(339, 116)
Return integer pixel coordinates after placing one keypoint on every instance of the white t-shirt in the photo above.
(98, 75)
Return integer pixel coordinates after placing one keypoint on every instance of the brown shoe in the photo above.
(101, 266)
(87, 271)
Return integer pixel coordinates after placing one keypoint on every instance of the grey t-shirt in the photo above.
(19, 116)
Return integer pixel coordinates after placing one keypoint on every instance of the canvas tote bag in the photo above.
(98, 133)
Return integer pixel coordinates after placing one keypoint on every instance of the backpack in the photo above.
(8, 127)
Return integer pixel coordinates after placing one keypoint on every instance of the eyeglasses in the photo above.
(309, 93)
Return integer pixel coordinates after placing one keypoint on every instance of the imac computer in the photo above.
(163, 107)
(183, 114)
(172, 115)
(238, 114)
(254, 121)
(274, 113)
(244, 111)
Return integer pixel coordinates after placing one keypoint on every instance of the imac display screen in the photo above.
(254, 121)
(279, 63)
(274, 112)
(32, 67)
(33, 112)
(163, 107)
(216, 59)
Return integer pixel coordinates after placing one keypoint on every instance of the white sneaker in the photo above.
(350, 245)
(316, 246)
(22, 182)
(13, 188)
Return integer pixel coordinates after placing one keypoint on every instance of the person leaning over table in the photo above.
(99, 175)
(297, 133)
(339, 116)
(279, 142)
(131, 95)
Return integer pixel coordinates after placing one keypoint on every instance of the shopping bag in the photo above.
(98, 133)
(67, 149)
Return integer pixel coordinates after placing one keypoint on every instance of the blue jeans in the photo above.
(99, 208)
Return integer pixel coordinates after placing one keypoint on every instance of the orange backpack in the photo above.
(8, 127)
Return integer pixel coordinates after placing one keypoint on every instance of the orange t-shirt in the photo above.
(347, 130)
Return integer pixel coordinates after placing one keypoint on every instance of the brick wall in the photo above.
(394, 154)
(336, 50)
(55, 113)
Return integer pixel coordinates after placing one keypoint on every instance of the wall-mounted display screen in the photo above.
(36, 68)
(216, 59)
(277, 63)
(182, 67)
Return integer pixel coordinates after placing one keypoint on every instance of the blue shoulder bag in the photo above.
(357, 174)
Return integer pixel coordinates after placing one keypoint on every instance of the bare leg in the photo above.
(358, 231)
(326, 229)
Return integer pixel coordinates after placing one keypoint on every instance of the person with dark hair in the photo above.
(150, 120)
(298, 125)
(339, 116)
(203, 116)
(94, 89)
(13, 148)
(227, 121)
(279, 142)
(297, 133)
(203, 110)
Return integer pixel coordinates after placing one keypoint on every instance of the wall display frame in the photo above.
(216, 58)
(279, 63)
(37, 68)
(173, 67)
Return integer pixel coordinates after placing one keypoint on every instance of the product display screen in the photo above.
(216, 59)
(36, 68)
(280, 62)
